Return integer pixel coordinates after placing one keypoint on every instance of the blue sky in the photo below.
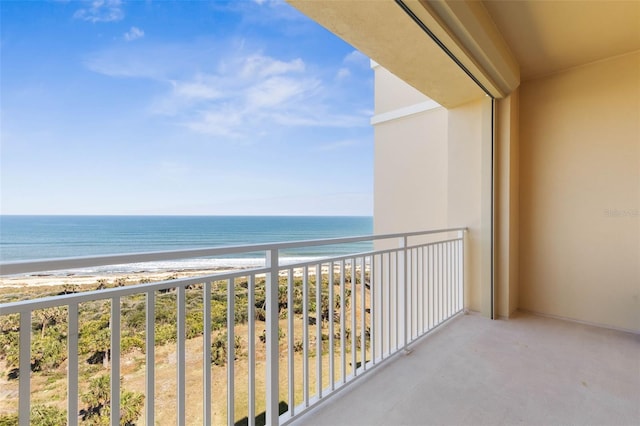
(189, 107)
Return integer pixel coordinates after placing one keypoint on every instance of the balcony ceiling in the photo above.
(548, 36)
(386, 34)
(500, 42)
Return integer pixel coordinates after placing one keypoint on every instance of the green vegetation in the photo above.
(41, 415)
(98, 404)
(49, 338)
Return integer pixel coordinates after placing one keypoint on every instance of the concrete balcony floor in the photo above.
(528, 370)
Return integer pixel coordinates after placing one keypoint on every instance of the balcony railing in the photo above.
(326, 322)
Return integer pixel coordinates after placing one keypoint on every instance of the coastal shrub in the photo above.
(48, 351)
(165, 308)
(68, 288)
(241, 311)
(10, 353)
(165, 333)
(261, 301)
(97, 396)
(263, 336)
(131, 405)
(41, 415)
(195, 324)
(95, 340)
(43, 318)
(9, 323)
(93, 311)
(297, 297)
(218, 314)
(282, 297)
(219, 295)
(219, 348)
(9, 332)
(135, 317)
(194, 299)
(101, 284)
(45, 415)
(132, 341)
(98, 403)
(9, 420)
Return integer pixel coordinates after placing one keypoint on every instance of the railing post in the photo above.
(72, 363)
(461, 235)
(206, 359)
(115, 360)
(427, 267)
(231, 376)
(405, 287)
(24, 390)
(272, 283)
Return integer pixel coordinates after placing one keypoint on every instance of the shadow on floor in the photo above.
(261, 419)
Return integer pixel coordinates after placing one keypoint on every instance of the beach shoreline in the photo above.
(111, 278)
(33, 286)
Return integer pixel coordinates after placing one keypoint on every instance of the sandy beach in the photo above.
(48, 280)
(24, 287)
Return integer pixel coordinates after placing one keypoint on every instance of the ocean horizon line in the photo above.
(178, 215)
(30, 237)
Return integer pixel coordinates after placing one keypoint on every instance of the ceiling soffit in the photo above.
(385, 32)
(551, 36)
(469, 33)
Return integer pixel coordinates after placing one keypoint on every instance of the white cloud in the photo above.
(135, 60)
(101, 11)
(196, 90)
(354, 61)
(270, 3)
(343, 73)
(278, 91)
(238, 94)
(258, 65)
(133, 34)
(218, 122)
(337, 145)
(356, 58)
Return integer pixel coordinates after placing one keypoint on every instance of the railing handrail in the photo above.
(39, 265)
(92, 295)
(402, 292)
(130, 290)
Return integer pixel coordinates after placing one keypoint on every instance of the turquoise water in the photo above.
(39, 237)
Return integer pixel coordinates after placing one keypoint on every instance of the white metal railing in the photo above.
(344, 316)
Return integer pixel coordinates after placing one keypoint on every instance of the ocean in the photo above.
(40, 237)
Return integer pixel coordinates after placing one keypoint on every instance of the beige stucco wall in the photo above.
(431, 171)
(469, 194)
(580, 193)
(507, 195)
(391, 93)
(514, 203)
(410, 173)
(410, 161)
